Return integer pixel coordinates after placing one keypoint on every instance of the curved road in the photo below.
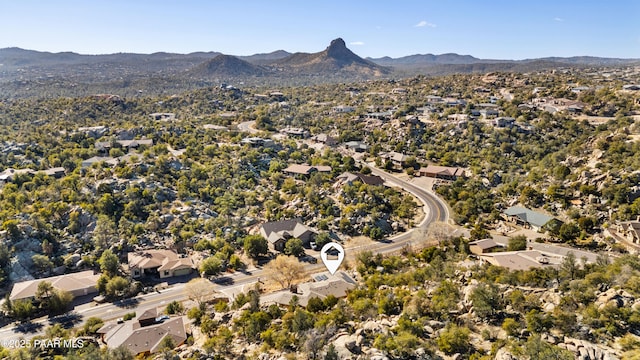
(434, 208)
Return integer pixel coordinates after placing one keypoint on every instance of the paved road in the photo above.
(434, 209)
(248, 126)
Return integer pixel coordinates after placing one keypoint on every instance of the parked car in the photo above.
(309, 259)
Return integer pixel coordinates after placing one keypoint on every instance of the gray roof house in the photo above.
(527, 217)
(278, 232)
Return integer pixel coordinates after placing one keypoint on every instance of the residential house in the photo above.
(441, 172)
(56, 172)
(257, 142)
(397, 159)
(325, 139)
(484, 246)
(434, 99)
(78, 284)
(357, 146)
(304, 170)
(296, 133)
(161, 262)
(163, 116)
(145, 334)
(504, 122)
(98, 159)
(349, 178)
(528, 218)
(343, 109)
(383, 116)
(522, 260)
(127, 144)
(631, 230)
(9, 174)
(278, 232)
(323, 285)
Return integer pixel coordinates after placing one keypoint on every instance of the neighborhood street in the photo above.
(434, 210)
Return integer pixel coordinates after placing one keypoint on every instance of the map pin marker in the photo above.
(332, 255)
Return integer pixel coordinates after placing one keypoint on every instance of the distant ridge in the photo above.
(336, 57)
(227, 65)
(27, 73)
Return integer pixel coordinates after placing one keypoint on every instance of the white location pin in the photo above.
(332, 255)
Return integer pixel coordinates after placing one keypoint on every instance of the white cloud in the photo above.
(424, 23)
(558, 19)
(356, 43)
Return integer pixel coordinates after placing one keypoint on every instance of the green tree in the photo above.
(109, 263)
(174, 307)
(517, 243)
(294, 247)
(255, 246)
(511, 326)
(537, 349)
(22, 309)
(454, 339)
(116, 286)
(211, 266)
(569, 231)
(486, 300)
(41, 262)
(331, 354)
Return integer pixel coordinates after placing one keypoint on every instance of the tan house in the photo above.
(305, 170)
(441, 172)
(161, 262)
(78, 284)
(324, 284)
(144, 335)
(483, 246)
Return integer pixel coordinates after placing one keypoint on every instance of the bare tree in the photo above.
(285, 270)
(199, 290)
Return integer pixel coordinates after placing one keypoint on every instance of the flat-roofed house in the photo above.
(161, 262)
(78, 284)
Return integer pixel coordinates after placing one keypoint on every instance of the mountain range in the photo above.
(20, 69)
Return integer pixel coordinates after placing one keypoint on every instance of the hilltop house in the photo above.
(78, 284)
(278, 232)
(528, 218)
(144, 335)
(161, 262)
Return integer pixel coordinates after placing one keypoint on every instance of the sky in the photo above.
(485, 29)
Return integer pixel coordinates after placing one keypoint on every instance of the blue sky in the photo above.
(485, 29)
